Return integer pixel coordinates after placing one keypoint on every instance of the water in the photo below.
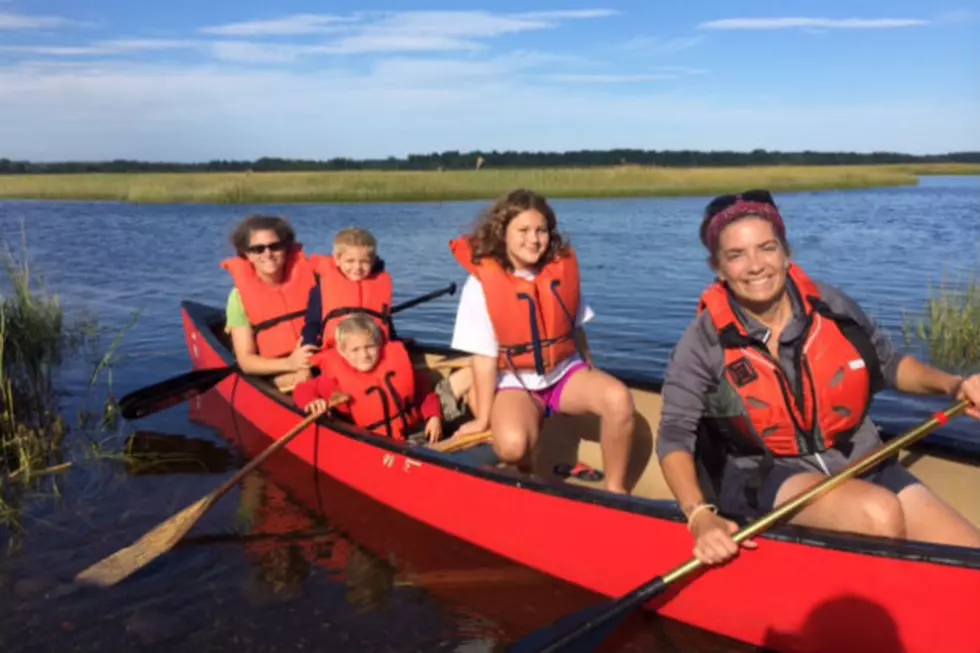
(643, 269)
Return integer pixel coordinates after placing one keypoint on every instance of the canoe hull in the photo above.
(824, 593)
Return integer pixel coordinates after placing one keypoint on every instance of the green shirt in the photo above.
(235, 316)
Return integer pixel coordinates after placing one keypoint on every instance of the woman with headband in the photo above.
(772, 383)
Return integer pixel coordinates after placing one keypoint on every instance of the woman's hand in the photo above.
(969, 389)
(300, 358)
(433, 429)
(317, 407)
(713, 538)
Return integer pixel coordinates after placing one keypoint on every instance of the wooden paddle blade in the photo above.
(461, 442)
(161, 539)
(169, 392)
(586, 629)
(152, 545)
(449, 363)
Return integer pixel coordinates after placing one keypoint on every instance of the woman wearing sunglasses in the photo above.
(771, 384)
(267, 307)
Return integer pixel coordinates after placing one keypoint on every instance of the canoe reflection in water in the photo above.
(295, 523)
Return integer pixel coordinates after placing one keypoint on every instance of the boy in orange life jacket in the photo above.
(354, 280)
(388, 396)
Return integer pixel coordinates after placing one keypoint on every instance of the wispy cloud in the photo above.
(13, 21)
(655, 46)
(811, 23)
(293, 25)
(100, 48)
(609, 79)
(405, 31)
(569, 14)
(181, 113)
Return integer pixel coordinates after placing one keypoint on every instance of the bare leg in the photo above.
(854, 506)
(515, 421)
(930, 519)
(597, 393)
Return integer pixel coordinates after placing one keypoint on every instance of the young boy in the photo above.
(353, 281)
(388, 396)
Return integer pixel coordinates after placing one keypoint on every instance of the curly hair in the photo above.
(241, 236)
(489, 237)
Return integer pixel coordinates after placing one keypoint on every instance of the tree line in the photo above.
(455, 160)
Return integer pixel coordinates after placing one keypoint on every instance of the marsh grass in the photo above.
(381, 186)
(950, 324)
(36, 338)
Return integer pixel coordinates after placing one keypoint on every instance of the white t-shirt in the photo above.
(473, 333)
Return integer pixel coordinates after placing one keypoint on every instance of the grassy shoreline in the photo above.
(405, 186)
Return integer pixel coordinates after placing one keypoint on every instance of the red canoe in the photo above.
(802, 590)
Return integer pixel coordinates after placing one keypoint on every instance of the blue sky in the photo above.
(190, 80)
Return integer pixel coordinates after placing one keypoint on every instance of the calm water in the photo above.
(314, 570)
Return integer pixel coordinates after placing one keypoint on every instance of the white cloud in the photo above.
(609, 79)
(189, 113)
(294, 25)
(380, 42)
(98, 48)
(569, 14)
(406, 31)
(655, 46)
(816, 23)
(249, 52)
(23, 21)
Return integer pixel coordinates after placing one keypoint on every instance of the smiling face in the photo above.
(752, 261)
(526, 239)
(360, 349)
(354, 262)
(267, 254)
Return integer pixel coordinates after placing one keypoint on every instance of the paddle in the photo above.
(462, 442)
(585, 630)
(162, 538)
(169, 392)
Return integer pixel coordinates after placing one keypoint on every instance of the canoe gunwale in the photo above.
(206, 318)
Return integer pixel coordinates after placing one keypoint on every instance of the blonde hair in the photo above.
(358, 323)
(354, 237)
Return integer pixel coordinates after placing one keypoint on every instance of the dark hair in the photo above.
(489, 237)
(242, 234)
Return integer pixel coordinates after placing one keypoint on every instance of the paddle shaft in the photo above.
(170, 392)
(448, 290)
(655, 587)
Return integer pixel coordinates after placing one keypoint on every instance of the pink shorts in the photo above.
(550, 397)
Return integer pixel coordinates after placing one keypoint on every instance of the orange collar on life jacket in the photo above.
(533, 321)
(382, 400)
(341, 297)
(276, 312)
(836, 368)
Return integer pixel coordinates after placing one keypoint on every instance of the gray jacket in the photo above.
(697, 364)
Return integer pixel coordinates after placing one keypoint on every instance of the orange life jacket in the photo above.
(382, 400)
(277, 313)
(533, 321)
(837, 373)
(341, 297)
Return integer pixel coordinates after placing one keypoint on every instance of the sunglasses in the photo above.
(277, 246)
(722, 202)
